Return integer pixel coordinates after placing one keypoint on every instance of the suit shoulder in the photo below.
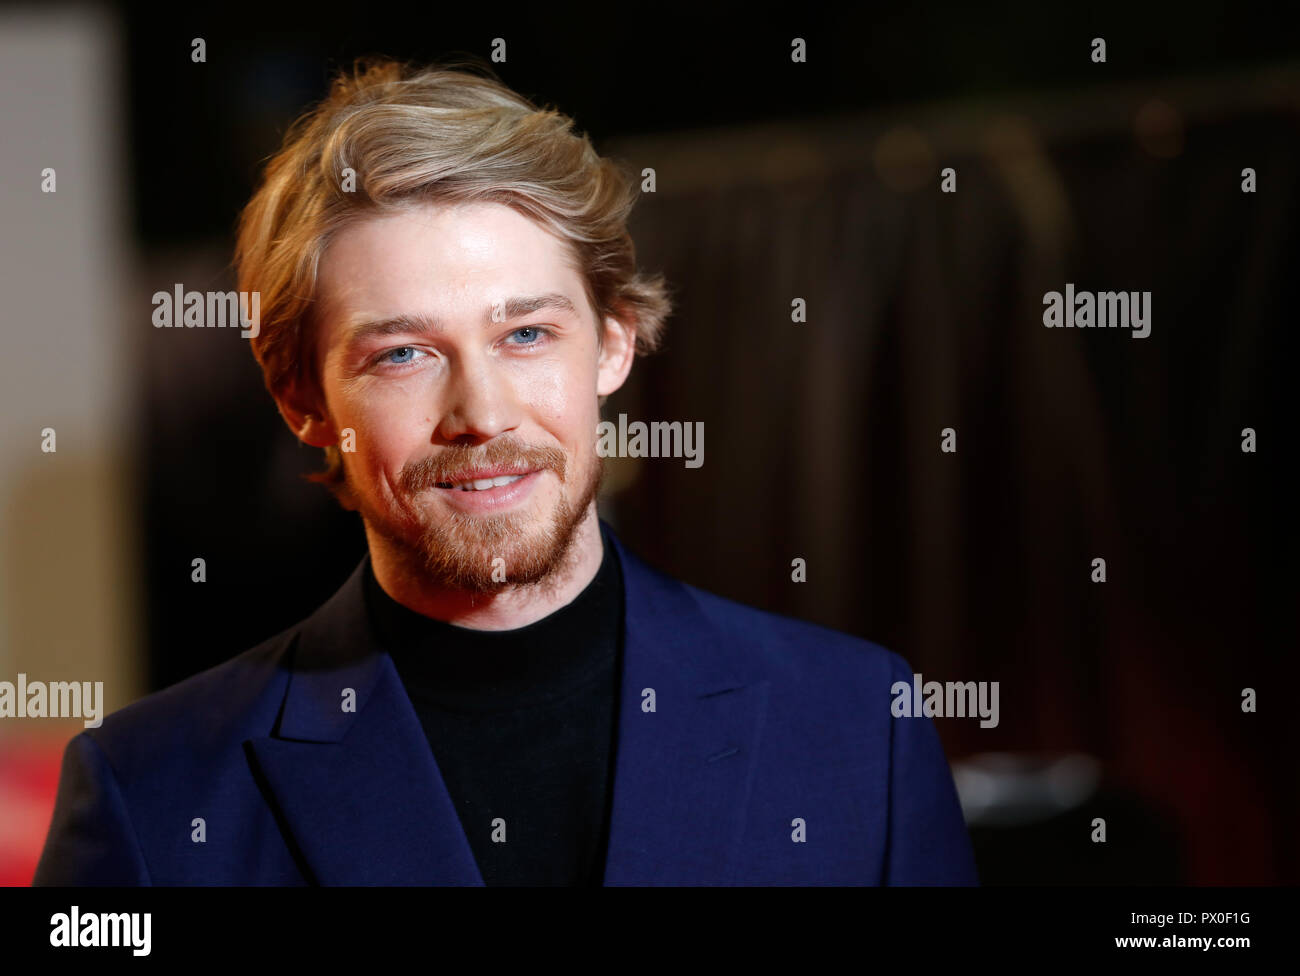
(227, 702)
(799, 646)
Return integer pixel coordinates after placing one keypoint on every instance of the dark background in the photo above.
(822, 439)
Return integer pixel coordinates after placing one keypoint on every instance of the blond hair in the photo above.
(440, 134)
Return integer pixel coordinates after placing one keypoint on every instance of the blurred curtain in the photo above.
(822, 439)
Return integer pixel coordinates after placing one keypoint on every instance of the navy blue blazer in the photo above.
(770, 757)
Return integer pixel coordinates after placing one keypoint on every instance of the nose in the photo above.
(480, 403)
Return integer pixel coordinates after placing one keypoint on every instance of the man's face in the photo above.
(457, 342)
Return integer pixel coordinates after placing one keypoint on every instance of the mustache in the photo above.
(429, 471)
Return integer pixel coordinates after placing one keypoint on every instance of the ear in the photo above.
(303, 410)
(617, 351)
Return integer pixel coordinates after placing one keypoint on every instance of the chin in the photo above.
(493, 553)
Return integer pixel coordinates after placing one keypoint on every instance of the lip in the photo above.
(474, 474)
(490, 499)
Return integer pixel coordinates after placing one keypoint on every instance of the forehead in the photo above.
(452, 258)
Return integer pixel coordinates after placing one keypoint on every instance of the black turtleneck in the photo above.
(522, 725)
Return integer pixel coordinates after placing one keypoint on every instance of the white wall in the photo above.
(68, 572)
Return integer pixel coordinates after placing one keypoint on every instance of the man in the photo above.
(501, 693)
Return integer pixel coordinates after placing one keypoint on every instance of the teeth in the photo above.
(482, 484)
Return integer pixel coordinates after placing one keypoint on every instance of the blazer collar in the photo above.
(361, 798)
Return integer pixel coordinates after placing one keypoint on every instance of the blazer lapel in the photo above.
(358, 793)
(361, 801)
(682, 772)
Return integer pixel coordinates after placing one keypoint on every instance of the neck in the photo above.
(397, 572)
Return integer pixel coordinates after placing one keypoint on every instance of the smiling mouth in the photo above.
(480, 484)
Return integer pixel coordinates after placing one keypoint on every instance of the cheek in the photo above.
(561, 396)
(392, 422)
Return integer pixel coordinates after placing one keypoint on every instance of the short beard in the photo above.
(461, 552)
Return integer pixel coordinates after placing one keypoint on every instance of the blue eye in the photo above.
(531, 333)
(399, 356)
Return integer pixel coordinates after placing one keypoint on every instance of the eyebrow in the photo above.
(512, 308)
